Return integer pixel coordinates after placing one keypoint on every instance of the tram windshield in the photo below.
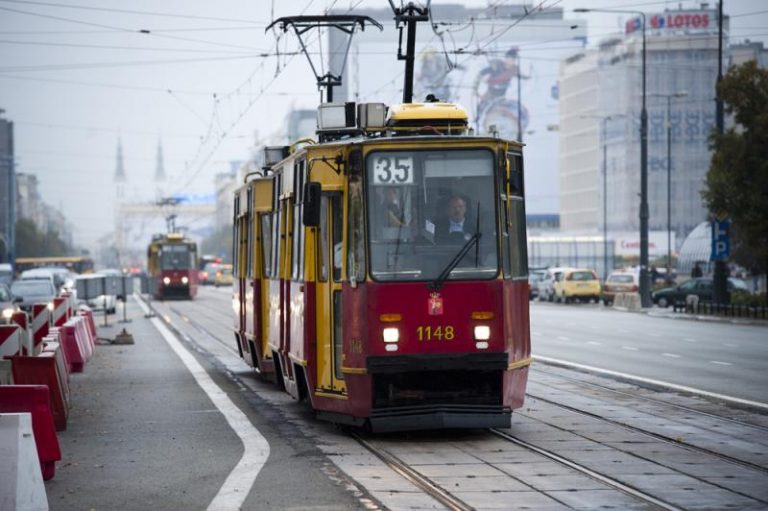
(423, 207)
(176, 257)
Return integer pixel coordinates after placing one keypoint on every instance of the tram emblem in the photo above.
(435, 304)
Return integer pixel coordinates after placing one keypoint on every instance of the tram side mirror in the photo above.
(311, 214)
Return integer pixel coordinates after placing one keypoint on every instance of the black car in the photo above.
(701, 287)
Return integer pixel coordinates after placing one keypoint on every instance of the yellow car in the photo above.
(577, 284)
(223, 275)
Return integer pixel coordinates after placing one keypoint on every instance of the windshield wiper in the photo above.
(436, 284)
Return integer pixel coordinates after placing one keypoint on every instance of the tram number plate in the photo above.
(435, 333)
(393, 170)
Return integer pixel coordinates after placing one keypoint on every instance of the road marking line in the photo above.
(237, 486)
(649, 381)
(720, 363)
(688, 339)
(730, 345)
(560, 337)
(630, 348)
(594, 343)
(671, 355)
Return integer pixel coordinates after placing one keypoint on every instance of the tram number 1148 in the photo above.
(439, 333)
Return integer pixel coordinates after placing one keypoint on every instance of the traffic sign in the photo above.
(721, 240)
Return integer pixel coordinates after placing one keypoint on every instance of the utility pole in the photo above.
(720, 277)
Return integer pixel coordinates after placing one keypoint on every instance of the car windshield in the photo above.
(32, 287)
(620, 279)
(582, 275)
(423, 207)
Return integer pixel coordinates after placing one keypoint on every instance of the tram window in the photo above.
(266, 244)
(516, 186)
(355, 240)
(338, 339)
(322, 234)
(276, 244)
(338, 233)
(298, 235)
(518, 250)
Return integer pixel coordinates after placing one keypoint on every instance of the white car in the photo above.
(546, 286)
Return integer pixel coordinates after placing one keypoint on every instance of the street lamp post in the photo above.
(669, 174)
(645, 288)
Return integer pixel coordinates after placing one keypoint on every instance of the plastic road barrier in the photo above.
(43, 370)
(10, 340)
(41, 323)
(21, 481)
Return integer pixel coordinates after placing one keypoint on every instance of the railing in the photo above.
(722, 309)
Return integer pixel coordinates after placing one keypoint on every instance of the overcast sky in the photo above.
(201, 75)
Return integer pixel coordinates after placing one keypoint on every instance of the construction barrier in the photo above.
(74, 351)
(34, 399)
(59, 313)
(20, 318)
(84, 337)
(61, 370)
(6, 373)
(41, 324)
(10, 340)
(21, 480)
(87, 315)
(43, 370)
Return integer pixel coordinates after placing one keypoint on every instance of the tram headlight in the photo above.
(166, 280)
(391, 334)
(185, 280)
(482, 332)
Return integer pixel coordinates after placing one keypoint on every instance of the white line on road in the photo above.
(594, 343)
(671, 355)
(688, 339)
(649, 381)
(237, 486)
(630, 348)
(730, 345)
(720, 363)
(560, 337)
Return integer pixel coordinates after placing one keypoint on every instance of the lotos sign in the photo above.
(674, 21)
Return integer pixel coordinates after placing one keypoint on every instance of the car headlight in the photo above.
(166, 280)
(482, 332)
(184, 280)
(7, 313)
(391, 334)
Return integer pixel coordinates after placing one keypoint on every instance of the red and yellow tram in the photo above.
(172, 266)
(381, 273)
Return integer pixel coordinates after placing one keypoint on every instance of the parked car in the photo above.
(546, 286)
(6, 274)
(533, 280)
(223, 275)
(620, 282)
(702, 287)
(207, 277)
(577, 284)
(31, 291)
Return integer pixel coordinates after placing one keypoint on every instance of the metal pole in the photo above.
(720, 277)
(519, 104)
(645, 291)
(669, 186)
(605, 200)
(409, 60)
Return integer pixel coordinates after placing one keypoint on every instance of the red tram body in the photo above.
(172, 266)
(353, 293)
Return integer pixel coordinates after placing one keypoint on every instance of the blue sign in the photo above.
(721, 240)
(195, 198)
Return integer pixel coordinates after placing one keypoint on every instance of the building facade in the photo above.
(681, 71)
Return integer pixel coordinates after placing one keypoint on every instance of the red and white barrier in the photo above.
(87, 315)
(59, 312)
(22, 319)
(35, 399)
(41, 323)
(10, 340)
(21, 481)
(43, 370)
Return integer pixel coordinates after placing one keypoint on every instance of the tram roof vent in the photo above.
(372, 116)
(437, 116)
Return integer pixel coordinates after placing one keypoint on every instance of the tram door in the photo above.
(328, 299)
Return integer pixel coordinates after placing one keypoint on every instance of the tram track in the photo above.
(663, 438)
(659, 402)
(612, 482)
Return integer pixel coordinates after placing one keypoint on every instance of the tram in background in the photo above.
(172, 266)
(76, 264)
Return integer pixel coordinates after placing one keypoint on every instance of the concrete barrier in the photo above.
(627, 301)
(34, 399)
(21, 481)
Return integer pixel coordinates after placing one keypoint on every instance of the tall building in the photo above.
(7, 193)
(681, 70)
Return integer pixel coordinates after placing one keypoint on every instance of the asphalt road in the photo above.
(719, 357)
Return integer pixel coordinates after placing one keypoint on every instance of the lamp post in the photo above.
(669, 97)
(645, 288)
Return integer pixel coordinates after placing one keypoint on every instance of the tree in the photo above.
(737, 181)
(31, 242)
(218, 243)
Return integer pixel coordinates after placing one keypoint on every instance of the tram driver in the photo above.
(453, 227)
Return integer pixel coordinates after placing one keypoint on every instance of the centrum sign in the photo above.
(678, 20)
